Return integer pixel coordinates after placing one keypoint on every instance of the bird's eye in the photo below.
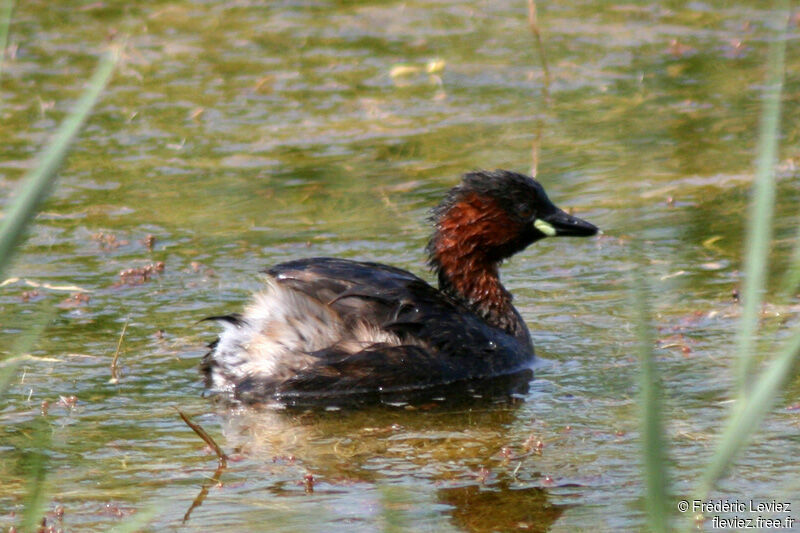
(524, 210)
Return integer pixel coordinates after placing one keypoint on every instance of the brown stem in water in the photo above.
(198, 501)
(223, 459)
(114, 367)
(533, 23)
(222, 465)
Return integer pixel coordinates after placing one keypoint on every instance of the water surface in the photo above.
(239, 136)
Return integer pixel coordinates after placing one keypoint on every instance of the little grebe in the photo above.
(330, 327)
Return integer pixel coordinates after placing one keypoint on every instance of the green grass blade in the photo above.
(138, 521)
(652, 430)
(35, 467)
(7, 371)
(791, 280)
(756, 398)
(6, 8)
(748, 413)
(23, 345)
(36, 183)
(393, 500)
(761, 210)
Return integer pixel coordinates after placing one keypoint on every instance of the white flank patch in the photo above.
(279, 328)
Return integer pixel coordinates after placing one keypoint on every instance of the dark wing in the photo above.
(385, 298)
(441, 340)
(360, 292)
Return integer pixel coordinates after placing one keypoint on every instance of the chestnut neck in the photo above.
(465, 251)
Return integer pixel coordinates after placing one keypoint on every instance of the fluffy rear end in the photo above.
(277, 336)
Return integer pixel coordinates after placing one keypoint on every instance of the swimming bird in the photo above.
(324, 327)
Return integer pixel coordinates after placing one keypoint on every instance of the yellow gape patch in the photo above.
(544, 227)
